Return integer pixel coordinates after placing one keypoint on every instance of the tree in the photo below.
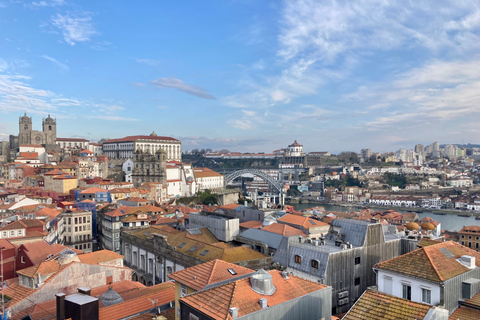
(348, 157)
(207, 197)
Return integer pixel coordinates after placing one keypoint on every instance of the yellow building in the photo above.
(63, 183)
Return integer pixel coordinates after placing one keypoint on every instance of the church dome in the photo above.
(153, 134)
(110, 297)
(428, 226)
(49, 119)
(25, 117)
(412, 226)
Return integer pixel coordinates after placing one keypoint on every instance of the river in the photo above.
(449, 222)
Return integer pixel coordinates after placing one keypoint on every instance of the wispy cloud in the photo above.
(75, 26)
(182, 86)
(64, 102)
(149, 62)
(61, 66)
(112, 118)
(50, 3)
(138, 84)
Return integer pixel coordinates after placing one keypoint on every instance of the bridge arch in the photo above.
(274, 184)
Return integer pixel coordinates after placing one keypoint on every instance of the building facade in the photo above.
(26, 135)
(149, 167)
(78, 229)
(124, 148)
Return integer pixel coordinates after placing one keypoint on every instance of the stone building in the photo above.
(161, 250)
(78, 229)
(124, 148)
(26, 135)
(149, 167)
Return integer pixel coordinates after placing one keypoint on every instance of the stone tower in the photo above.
(25, 130)
(149, 167)
(49, 127)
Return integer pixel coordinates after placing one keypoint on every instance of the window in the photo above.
(76, 229)
(463, 243)
(76, 220)
(357, 281)
(183, 290)
(12, 233)
(357, 260)
(469, 237)
(69, 220)
(231, 271)
(426, 295)
(387, 285)
(22, 259)
(314, 264)
(193, 248)
(84, 219)
(191, 316)
(204, 252)
(4, 234)
(298, 259)
(463, 237)
(407, 292)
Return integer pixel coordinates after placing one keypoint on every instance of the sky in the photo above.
(248, 76)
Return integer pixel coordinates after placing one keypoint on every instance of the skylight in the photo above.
(181, 245)
(232, 272)
(447, 253)
(204, 252)
(311, 221)
(193, 248)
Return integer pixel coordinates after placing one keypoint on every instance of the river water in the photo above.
(449, 222)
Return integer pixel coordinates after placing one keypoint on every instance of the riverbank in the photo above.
(375, 207)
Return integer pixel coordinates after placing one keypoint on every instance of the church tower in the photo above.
(49, 127)
(25, 130)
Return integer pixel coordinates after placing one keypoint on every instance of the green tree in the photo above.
(207, 197)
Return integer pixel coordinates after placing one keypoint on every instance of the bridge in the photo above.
(274, 184)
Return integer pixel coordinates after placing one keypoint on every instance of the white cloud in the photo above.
(62, 66)
(3, 65)
(51, 3)
(66, 102)
(243, 124)
(149, 62)
(75, 26)
(112, 118)
(182, 86)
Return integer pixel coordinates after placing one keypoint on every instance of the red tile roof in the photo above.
(199, 276)
(283, 229)
(215, 303)
(438, 261)
(374, 305)
(133, 138)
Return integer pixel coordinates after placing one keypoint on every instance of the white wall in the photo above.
(416, 284)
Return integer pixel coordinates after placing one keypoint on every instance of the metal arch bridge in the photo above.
(271, 182)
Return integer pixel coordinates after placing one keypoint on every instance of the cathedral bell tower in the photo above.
(49, 127)
(25, 130)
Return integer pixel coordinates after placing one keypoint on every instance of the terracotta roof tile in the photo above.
(438, 261)
(283, 229)
(99, 257)
(465, 313)
(374, 305)
(216, 302)
(301, 221)
(199, 276)
(251, 224)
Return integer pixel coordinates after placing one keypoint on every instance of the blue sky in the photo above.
(245, 75)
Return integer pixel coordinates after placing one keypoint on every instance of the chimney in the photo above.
(285, 275)
(84, 290)
(263, 303)
(60, 306)
(233, 312)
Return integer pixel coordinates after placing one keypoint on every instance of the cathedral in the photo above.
(26, 135)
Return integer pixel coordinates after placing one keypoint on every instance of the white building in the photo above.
(73, 143)
(96, 148)
(295, 150)
(32, 149)
(435, 274)
(208, 179)
(124, 148)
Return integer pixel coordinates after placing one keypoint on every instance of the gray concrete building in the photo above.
(344, 258)
(222, 227)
